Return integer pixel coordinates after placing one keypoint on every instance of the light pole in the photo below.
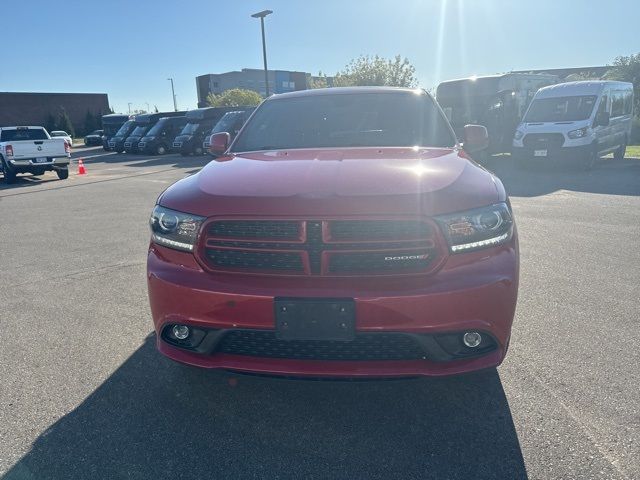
(147, 104)
(173, 95)
(129, 107)
(261, 16)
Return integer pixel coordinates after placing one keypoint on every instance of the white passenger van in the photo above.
(575, 121)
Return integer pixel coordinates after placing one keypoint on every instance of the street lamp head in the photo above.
(262, 14)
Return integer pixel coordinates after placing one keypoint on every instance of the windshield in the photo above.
(190, 129)
(125, 128)
(23, 134)
(157, 128)
(227, 122)
(140, 130)
(561, 109)
(346, 120)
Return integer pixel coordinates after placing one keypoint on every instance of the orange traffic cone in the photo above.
(81, 169)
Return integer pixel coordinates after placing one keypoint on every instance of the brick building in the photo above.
(18, 108)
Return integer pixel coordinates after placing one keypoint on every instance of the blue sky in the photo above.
(129, 48)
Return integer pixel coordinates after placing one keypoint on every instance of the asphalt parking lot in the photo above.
(84, 394)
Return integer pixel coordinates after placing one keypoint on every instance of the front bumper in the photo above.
(473, 291)
(131, 145)
(553, 154)
(185, 145)
(116, 144)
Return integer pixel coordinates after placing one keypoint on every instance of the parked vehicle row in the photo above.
(200, 122)
(32, 150)
(111, 125)
(159, 133)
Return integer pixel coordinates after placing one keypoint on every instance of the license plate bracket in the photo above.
(315, 319)
(42, 160)
(540, 153)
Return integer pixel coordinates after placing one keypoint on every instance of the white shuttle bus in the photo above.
(575, 122)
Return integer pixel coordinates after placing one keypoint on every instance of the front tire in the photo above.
(161, 150)
(63, 173)
(590, 159)
(619, 153)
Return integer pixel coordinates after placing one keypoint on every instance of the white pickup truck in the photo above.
(32, 150)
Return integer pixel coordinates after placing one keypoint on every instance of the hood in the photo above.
(332, 182)
(183, 138)
(553, 127)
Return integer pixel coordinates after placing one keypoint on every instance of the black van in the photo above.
(158, 140)
(144, 123)
(116, 142)
(231, 122)
(110, 125)
(200, 122)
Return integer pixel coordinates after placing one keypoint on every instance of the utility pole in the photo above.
(261, 16)
(173, 95)
(129, 108)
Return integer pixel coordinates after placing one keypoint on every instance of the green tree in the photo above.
(50, 122)
(377, 71)
(89, 122)
(627, 69)
(64, 123)
(234, 98)
(319, 81)
(576, 77)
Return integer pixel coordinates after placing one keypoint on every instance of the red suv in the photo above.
(344, 232)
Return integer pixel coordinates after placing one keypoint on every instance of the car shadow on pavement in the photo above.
(29, 180)
(143, 161)
(608, 177)
(156, 419)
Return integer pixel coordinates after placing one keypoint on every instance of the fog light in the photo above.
(470, 339)
(181, 331)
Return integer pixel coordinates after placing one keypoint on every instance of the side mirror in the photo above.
(602, 119)
(476, 138)
(219, 143)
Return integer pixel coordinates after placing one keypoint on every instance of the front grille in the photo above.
(251, 260)
(317, 247)
(265, 229)
(377, 229)
(543, 140)
(365, 347)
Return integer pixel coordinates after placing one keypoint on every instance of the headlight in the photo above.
(579, 133)
(518, 135)
(175, 229)
(477, 229)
